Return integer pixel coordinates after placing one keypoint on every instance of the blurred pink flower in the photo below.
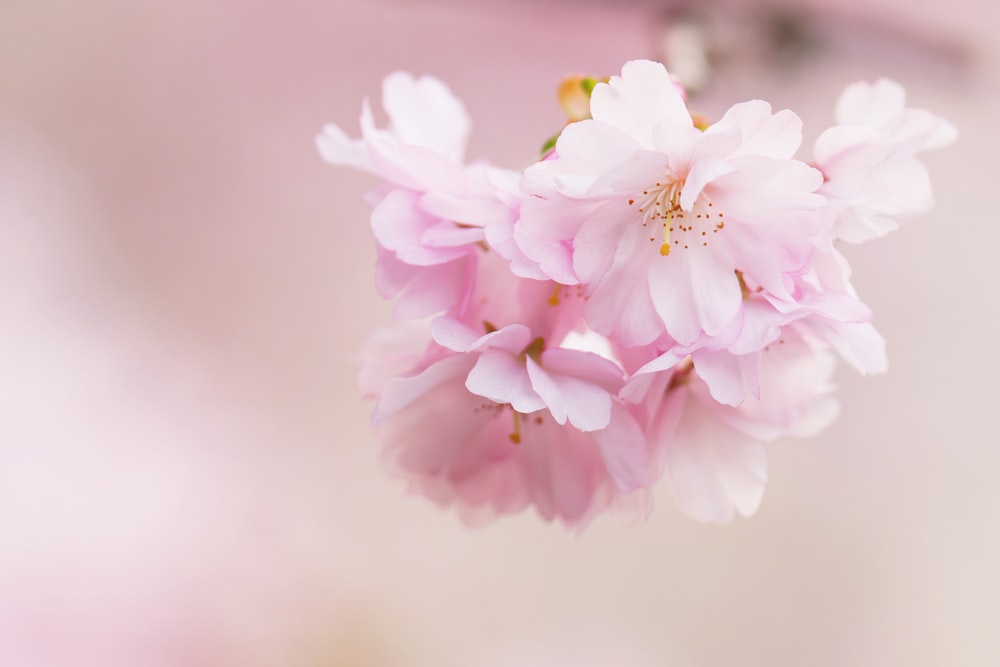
(495, 456)
(872, 176)
(713, 454)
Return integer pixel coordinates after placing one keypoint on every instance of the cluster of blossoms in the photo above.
(656, 297)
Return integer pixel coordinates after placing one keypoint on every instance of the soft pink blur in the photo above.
(187, 473)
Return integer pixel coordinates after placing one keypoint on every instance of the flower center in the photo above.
(521, 423)
(660, 206)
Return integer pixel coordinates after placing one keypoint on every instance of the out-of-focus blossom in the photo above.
(873, 178)
(494, 456)
(713, 454)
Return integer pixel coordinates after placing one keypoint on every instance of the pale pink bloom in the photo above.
(430, 215)
(487, 457)
(713, 454)
(655, 217)
(491, 420)
(503, 361)
(518, 368)
(513, 367)
(873, 178)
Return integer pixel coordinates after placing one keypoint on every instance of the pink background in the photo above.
(187, 477)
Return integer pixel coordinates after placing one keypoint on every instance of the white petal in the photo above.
(763, 133)
(424, 112)
(337, 148)
(638, 99)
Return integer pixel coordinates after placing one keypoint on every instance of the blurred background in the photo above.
(186, 474)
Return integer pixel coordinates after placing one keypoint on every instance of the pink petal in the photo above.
(620, 306)
(337, 148)
(474, 211)
(795, 383)
(410, 166)
(776, 135)
(638, 99)
(424, 291)
(444, 235)
(870, 105)
(702, 173)
(591, 146)
(713, 470)
(765, 191)
(677, 141)
(563, 471)
(587, 366)
(544, 232)
(842, 142)
(425, 113)
(623, 447)
(501, 377)
(500, 236)
(402, 392)
(729, 376)
(399, 225)
(860, 344)
(585, 405)
(512, 339)
(453, 333)
(601, 238)
(693, 293)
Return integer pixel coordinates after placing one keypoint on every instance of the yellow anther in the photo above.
(515, 437)
(554, 299)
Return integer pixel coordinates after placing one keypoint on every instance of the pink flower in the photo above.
(430, 215)
(522, 396)
(873, 178)
(507, 424)
(655, 217)
(655, 297)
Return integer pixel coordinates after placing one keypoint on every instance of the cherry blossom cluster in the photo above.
(657, 296)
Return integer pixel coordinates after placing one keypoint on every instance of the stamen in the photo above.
(660, 205)
(515, 437)
(554, 299)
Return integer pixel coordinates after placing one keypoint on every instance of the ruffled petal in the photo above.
(776, 135)
(714, 471)
(502, 378)
(424, 112)
(587, 406)
(638, 99)
(623, 447)
(337, 148)
(695, 293)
